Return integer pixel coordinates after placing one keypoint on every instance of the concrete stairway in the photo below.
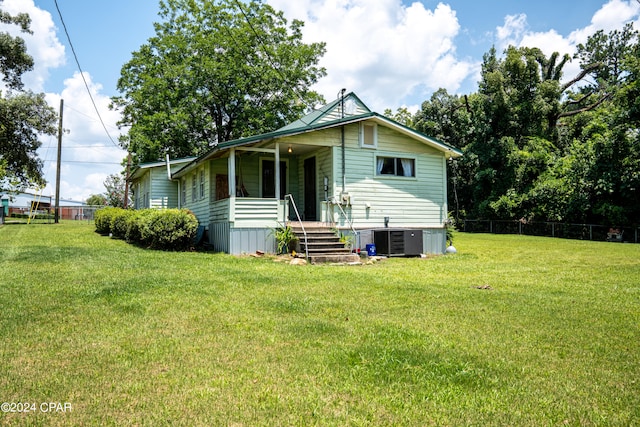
(323, 244)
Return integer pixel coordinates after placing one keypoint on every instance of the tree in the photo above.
(215, 71)
(14, 60)
(539, 149)
(96, 200)
(24, 116)
(402, 116)
(115, 195)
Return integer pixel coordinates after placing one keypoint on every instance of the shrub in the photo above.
(135, 223)
(169, 229)
(119, 222)
(103, 218)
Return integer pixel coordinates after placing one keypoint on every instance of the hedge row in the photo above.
(168, 229)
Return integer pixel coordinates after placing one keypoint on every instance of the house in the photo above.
(341, 165)
(152, 186)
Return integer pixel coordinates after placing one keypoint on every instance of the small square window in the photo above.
(368, 135)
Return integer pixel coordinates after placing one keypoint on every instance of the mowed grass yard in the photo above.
(512, 330)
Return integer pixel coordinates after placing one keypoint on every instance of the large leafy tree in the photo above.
(540, 148)
(24, 116)
(215, 71)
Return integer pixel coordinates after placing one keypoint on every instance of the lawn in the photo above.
(512, 330)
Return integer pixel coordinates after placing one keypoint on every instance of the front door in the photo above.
(310, 190)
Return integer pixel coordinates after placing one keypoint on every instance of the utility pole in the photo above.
(57, 212)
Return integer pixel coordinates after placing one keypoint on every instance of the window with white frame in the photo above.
(202, 184)
(368, 135)
(183, 192)
(395, 166)
(194, 187)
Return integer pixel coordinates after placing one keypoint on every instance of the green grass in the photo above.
(132, 336)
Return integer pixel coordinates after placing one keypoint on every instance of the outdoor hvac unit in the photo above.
(398, 242)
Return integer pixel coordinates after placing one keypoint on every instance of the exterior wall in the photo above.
(236, 241)
(141, 189)
(154, 189)
(416, 202)
(198, 195)
(163, 193)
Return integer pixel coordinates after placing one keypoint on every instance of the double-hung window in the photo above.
(202, 184)
(395, 166)
(194, 182)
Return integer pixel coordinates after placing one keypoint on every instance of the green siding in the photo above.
(418, 201)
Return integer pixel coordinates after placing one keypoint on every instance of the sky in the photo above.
(391, 53)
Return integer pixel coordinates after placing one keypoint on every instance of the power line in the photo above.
(270, 58)
(86, 85)
(85, 162)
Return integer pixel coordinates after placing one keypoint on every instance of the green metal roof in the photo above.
(328, 116)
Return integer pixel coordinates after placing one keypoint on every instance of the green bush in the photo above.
(135, 223)
(169, 229)
(103, 219)
(120, 222)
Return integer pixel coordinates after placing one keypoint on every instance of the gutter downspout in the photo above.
(171, 179)
(342, 145)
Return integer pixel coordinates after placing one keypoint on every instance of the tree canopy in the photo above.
(537, 147)
(24, 116)
(215, 71)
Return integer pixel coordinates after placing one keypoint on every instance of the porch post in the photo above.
(231, 181)
(232, 172)
(277, 167)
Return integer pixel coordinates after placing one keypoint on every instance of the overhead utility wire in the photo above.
(271, 61)
(82, 74)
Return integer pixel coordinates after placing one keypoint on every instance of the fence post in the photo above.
(590, 232)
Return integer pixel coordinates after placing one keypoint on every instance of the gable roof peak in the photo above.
(342, 107)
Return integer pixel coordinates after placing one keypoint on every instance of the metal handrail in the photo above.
(344, 214)
(304, 232)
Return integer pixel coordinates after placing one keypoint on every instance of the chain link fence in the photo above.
(594, 232)
(24, 214)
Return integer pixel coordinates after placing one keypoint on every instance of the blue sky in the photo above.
(392, 53)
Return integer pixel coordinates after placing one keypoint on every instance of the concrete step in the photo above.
(323, 245)
(333, 258)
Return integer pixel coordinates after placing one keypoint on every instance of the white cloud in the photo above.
(382, 49)
(86, 148)
(513, 30)
(611, 16)
(43, 45)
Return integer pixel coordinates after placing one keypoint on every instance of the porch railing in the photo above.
(356, 235)
(304, 232)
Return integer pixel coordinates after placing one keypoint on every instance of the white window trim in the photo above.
(375, 135)
(202, 184)
(194, 187)
(395, 156)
